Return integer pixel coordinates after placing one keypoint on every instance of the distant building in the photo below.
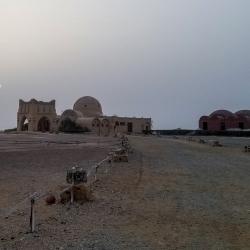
(221, 120)
(86, 114)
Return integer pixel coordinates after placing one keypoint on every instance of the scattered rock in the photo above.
(216, 144)
(50, 200)
(81, 194)
(201, 141)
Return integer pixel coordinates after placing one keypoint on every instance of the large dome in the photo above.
(88, 106)
(223, 113)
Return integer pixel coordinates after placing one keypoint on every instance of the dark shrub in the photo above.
(68, 126)
(10, 130)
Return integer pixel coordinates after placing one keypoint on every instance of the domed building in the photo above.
(87, 113)
(88, 106)
(221, 120)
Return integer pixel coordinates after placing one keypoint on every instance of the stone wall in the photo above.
(37, 116)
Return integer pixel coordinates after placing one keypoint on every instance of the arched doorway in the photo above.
(116, 127)
(205, 126)
(96, 126)
(24, 124)
(44, 125)
(105, 127)
(241, 125)
(222, 126)
(147, 128)
(130, 127)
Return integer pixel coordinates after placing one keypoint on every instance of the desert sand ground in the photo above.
(172, 194)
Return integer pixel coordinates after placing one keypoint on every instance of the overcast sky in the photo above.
(172, 60)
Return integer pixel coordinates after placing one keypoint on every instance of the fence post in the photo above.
(32, 215)
(72, 193)
(96, 169)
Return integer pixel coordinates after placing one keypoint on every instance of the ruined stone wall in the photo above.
(38, 115)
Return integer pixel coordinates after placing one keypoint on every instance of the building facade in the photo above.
(222, 120)
(86, 113)
(37, 116)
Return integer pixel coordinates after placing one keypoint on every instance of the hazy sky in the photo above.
(172, 60)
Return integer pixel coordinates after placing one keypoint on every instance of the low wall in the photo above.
(202, 133)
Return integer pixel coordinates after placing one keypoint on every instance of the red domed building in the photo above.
(222, 120)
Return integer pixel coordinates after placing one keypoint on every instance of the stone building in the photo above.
(87, 113)
(221, 120)
(37, 116)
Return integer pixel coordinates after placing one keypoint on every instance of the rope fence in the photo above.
(115, 155)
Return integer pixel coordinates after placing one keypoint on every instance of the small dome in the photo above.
(204, 117)
(223, 113)
(243, 113)
(70, 114)
(88, 106)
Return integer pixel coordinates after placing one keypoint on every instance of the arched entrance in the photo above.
(241, 125)
(130, 127)
(44, 125)
(147, 128)
(96, 126)
(105, 127)
(116, 127)
(24, 124)
(205, 126)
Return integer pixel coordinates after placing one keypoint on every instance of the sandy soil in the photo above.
(173, 194)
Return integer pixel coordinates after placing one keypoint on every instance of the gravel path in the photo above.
(173, 194)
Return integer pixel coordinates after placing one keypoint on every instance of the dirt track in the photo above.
(173, 194)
